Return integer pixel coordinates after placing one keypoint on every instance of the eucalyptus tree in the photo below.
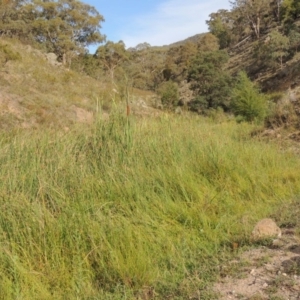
(111, 56)
(64, 27)
(253, 12)
(13, 18)
(221, 24)
(209, 80)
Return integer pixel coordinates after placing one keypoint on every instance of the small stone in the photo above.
(265, 285)
(277, 243)
(252, 272)
(284, 274)
(265, 228)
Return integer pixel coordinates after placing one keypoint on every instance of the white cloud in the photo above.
(172, 21)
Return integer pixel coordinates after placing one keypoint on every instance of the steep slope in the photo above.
(270, 79)
(35, 90)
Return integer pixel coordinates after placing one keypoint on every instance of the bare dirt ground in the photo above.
(264, 272)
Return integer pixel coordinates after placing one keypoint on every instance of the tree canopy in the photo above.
(61, 26)
(111, 56)
(220, 24)
(210, 83)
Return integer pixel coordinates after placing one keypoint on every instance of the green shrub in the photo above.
(7, 53)
(282, 113)
(275, 96)
(247, 102)
(169, 94)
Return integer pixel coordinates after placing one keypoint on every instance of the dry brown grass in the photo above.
(33, 92)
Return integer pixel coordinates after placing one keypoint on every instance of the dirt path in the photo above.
(271, 272)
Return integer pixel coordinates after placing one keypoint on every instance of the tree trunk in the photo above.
(258, 26)
(278, 10)
(64, 59)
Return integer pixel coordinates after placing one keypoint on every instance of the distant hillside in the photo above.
(193, 39)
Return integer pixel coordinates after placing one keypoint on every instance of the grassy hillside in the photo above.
(33, 92)
(132, 209)
(37, 92)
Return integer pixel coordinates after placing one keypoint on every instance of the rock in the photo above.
(291, 266)
(278, 243)
(178, 110)
(141, 102)
(52, 59)
(265, 228)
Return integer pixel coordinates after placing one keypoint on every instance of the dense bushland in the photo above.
(125, 206)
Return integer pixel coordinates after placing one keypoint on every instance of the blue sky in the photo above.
(158, 22)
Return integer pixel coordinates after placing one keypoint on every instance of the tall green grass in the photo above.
(126, 206)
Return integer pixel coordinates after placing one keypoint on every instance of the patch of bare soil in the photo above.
(11, 111)
(82, 115)
(265, 272)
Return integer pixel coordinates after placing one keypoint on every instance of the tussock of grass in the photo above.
(102, 212)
